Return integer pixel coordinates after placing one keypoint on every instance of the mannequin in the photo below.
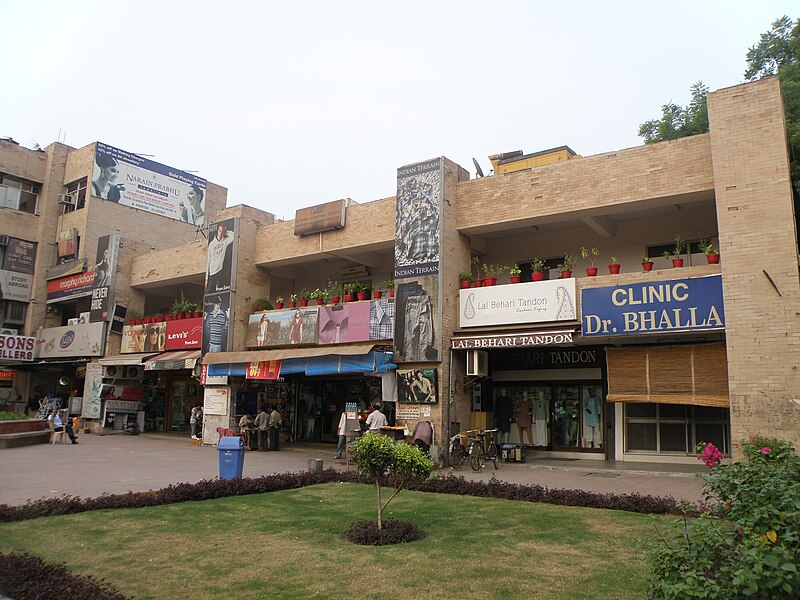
(503, 410)
(540, 419)
(524, 419)
(592, 421)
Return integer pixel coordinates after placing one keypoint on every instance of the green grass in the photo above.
(290, 545)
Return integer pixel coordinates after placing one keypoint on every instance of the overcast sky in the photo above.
(291, 104)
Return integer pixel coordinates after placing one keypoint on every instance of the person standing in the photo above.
(262, 424)
(342, 432)
(275, 421)
(524, 419)
(376, 419)
(58, 424)
(196, 422)
(422, 436)
(247, 428)
(503, 410)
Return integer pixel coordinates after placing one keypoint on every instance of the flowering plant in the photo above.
(709, 454)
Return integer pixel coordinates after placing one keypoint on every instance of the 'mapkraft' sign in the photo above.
(534, 302)
(658, 307)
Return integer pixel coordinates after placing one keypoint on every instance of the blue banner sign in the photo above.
(657, 307)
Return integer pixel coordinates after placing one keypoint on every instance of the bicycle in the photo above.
(483, 448)
(457, 452)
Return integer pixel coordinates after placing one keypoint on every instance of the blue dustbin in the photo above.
(231, 457)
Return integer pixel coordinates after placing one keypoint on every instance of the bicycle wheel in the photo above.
(456, 455)
(476, 456)
(491, 454)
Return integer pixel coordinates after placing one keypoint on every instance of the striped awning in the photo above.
(172, 361)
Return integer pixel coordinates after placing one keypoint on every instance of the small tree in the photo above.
(376, 456)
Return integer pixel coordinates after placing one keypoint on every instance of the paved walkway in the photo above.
(121, 463)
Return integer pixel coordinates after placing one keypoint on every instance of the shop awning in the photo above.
(172, 361)
(27, 366)
(218, 358)
(125, 359)
(337, 364)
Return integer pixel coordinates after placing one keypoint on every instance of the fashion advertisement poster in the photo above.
(149, 337)
(92, 391)
(418, 219)
(343, 323)
(216, 322)
(417, 330)
(283, 327)
(135, 181)
(72, 340)
(104, 275)
(381, 320)
(221, 263)
(416, 386)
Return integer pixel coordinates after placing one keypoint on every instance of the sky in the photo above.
(293, 104)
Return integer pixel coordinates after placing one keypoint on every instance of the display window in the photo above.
(674, 428)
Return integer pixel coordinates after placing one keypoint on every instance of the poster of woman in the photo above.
(417, 386)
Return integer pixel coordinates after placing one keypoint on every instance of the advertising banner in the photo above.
(416, 386)
(344, 323)
(134, 181)
(222, 256)
(418, 220)
(206, 379)
(16, 347)
(73, 340)
(66, 244)
(105, 271)
(658, 307)
(283, 327)
(267, 369)
(184, 334)
(381, 320)
(417, 331)
(518, 304)
(216, 322)
(322, 217)
(68, 288)
(20, 256)
(15, 286)
(92, 391)
(215, 401)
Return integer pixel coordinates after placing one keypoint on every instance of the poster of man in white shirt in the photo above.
(222, 245)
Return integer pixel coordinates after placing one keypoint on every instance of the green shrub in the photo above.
(748, 544)
(12, 416)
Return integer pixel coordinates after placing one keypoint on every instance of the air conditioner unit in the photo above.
(3, 240)
(353, 272)
(83, 319)
(133, 372)
(111, 371)
(66, 199)
(8, 331)
(477, 362)
(72, 321)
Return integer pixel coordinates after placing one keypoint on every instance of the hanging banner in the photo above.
(69, 288)
(66, 244)
(92, 391)
(418, 219)
(105, 271)
(72, 340)
(20, 256)
(222, 256)
(268, 369)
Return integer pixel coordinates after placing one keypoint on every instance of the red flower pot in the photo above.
(361, 295)
(319, 301)
(591, 271)
(187, 315)
(537, 276)
(566, 274)
(292, 303)
(279, 305)
(648, 266)
(349, 297)
(713, 258)
(335, 299)
(515, 278)
(169, 317)
(304, 302)
(677, 262)
(197, 314)
(477, 283)
(147, 320)
(377, 294)
(614, 269)
(465, 283)
(489, 281)
(391, 293)
(179, 316)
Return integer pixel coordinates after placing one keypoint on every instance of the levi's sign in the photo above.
(658, 307)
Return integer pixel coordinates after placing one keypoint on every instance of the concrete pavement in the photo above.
(122, 463)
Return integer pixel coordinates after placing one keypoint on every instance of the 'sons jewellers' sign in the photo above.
(659, 307)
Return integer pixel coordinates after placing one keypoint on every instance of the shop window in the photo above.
(692, 254)
(642, 436)
(18, 194)
(675, 428)
(77, 189)
(15, 312)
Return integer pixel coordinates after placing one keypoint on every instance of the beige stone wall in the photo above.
(758, 242)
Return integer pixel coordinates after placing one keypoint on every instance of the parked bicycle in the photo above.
(483, 448)
(457, 451)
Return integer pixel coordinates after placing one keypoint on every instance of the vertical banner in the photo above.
(216, 322)
(92, 390)
(417, 254)
(16, 274)
(222, 255)
(67, 245)
(104, 275)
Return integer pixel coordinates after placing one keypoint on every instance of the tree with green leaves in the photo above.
(677, 121)
(378, 457)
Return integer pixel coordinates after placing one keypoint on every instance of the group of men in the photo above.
(263, 429)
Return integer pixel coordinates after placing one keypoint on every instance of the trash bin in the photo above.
(315, 464)
(231, 457)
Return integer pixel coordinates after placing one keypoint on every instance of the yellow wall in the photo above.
(534, 160)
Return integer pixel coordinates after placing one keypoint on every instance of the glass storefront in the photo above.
(674, 428)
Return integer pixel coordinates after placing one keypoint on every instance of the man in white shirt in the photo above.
(376, 419)
(218, 279)
(58, 424)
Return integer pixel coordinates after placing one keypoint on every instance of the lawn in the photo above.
(290, 544)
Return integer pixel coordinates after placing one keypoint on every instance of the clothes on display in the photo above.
(503, 413)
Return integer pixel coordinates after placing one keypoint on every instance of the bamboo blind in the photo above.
(691, 374)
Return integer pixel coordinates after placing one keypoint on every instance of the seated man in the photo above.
(58, 424)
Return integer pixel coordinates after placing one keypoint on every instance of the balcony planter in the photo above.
(147, 320)
(292, 303)
(278, 305)
(537, 276)
(197, 314)
(361, 295)
(566, 274)
(647, 265)
(515, 278)
(489, 281)
(465, 283)
(377, 294)
(477, 283)
(319, 301)
(677, 262)
(349, 297)
(712, 258)
(391, 293)
(303, 301)
(335, 299)
(613, 268)
(591, 271)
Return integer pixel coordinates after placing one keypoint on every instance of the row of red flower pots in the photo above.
(376, 295)
(161, 318)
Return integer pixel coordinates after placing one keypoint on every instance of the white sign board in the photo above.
(15, 286)
(92, 388)
(16, 347)
(518, 304)
(73, 340)
(408, 412)
(216, 401)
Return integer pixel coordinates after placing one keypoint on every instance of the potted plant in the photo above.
(566, 266)
(712, 254)
(390, 287)
(515, 274)
(317, 296)
(491, 273)
(383, 285)
(192, 312)
(181, 306)
(334, 291)
(262, 304)
(647, 263)
(292, 300)
(613, 268)
(360, 290)
(349, 291)
(478, 281)
(591, 255)
(278, 302)
(464, 278)
(677, 251)
(304, 297)
(537, 270)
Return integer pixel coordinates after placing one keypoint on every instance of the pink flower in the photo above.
(765, 450)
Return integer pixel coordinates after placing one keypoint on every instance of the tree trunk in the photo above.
(380, 506)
